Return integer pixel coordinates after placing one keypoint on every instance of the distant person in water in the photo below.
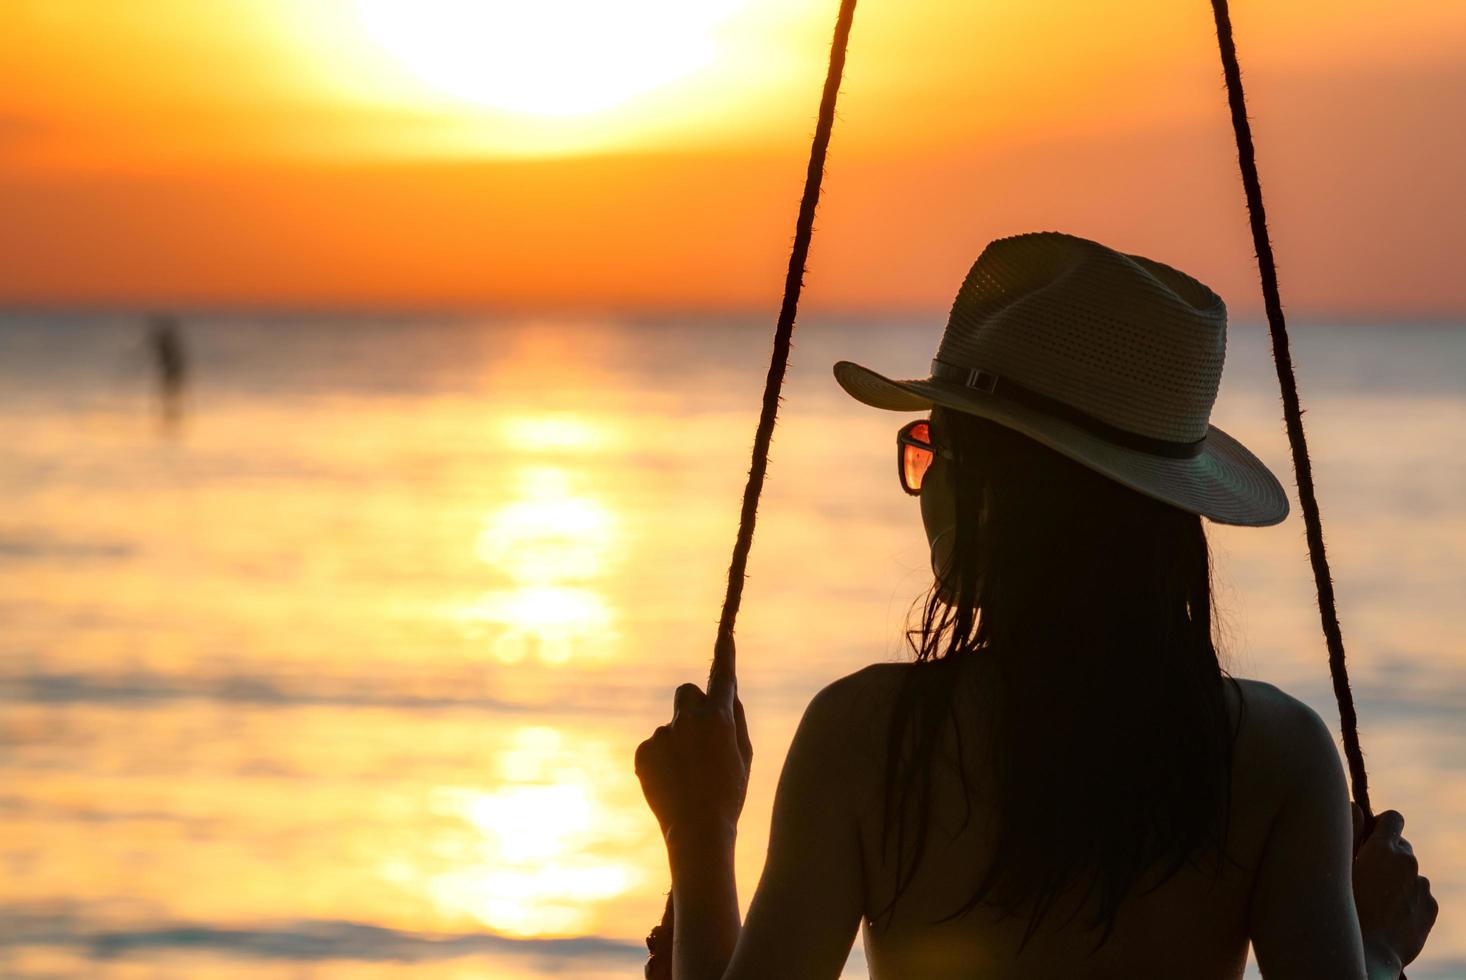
(165, 340)
(1064, 783)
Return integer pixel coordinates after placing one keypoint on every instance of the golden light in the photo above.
(547, 57)
(551, 623)
(558, 432)
(552, 534)
(545, 839)
(553, 543)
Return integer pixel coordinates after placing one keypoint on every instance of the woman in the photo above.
(1064, 783)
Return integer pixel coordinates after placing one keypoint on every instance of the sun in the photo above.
(547, 57)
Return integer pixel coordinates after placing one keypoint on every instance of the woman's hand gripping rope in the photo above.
(694, 769)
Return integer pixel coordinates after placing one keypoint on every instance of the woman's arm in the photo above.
(1396, 908)
(1304, 922)
(805, 914)
(704, 907)
(694, 774)
(806, 911)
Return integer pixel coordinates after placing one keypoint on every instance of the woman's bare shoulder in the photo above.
(845, 729)
(866, 692)
(1280, 736)
(854, 711)
(1268, 710)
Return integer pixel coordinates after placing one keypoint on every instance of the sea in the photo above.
(335, 667)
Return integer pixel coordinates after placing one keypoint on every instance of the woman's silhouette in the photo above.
(1064, 783)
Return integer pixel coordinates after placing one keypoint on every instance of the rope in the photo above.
(659, 941)
(1292, 413)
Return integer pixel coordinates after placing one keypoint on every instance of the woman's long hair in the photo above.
(1084, 608)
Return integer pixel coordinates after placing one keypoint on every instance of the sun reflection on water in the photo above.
(554, 542)
(552, 534)
(547, 843)
(557, 431)
(553, 624)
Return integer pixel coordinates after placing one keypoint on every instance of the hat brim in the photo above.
(1225, 482)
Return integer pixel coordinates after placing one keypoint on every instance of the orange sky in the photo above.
(424, 153)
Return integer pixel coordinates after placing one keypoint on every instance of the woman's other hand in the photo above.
(694, 770)
(1396, 909)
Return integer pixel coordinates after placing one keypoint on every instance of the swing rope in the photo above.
(659, 941)
(724, 669)
(1292, 412)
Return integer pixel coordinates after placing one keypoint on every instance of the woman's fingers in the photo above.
(723, 684)
(1388, 830)
(1426, 902)
(694, 769)
(688, 696)
(745, 744)
(1392, 898)
(652, 744)
(1390, 823)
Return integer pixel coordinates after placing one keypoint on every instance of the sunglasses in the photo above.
(915, 452)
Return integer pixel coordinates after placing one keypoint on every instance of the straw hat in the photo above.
(1110, 359)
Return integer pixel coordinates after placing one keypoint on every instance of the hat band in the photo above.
(979, 380)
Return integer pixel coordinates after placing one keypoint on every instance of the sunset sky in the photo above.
(580, 154)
